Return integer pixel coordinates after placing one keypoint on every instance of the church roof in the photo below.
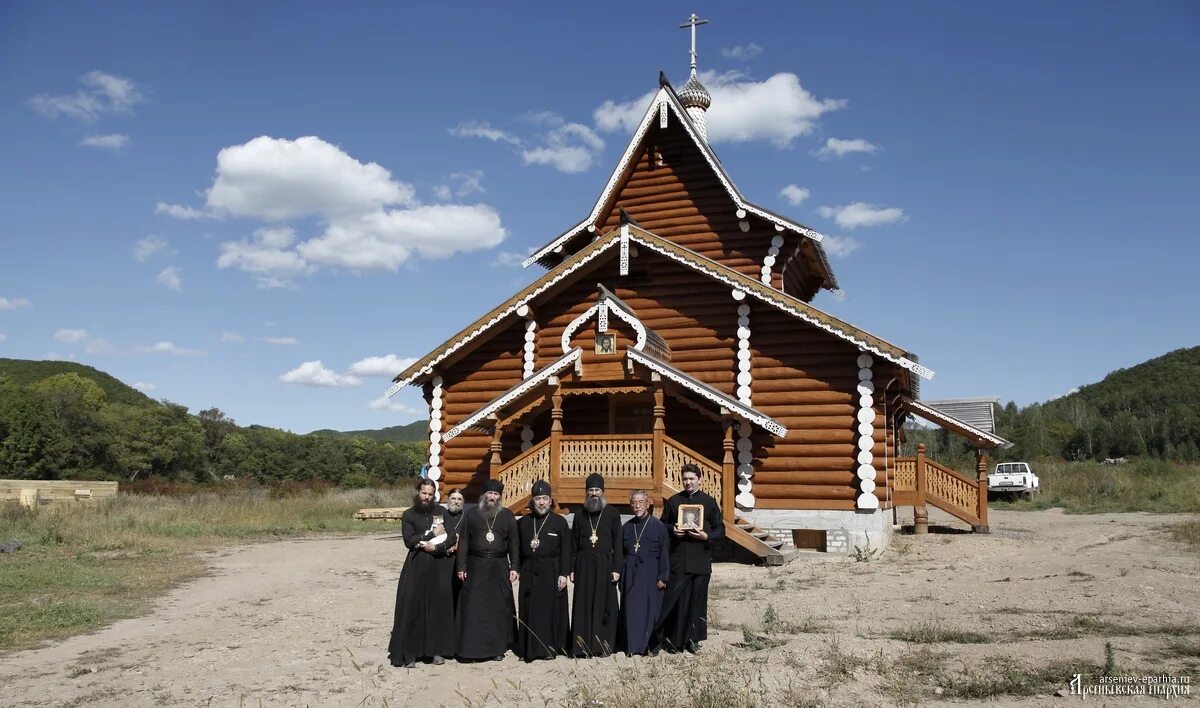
(606, 245)
(665, 102)
(945, 420)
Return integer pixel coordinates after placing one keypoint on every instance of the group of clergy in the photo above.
(455, 597)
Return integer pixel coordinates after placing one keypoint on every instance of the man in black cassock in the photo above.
(684, 622)
(596, 540)
(542, 629)
(423, 597)
(455, 508)
(645, 573)
(487, 565)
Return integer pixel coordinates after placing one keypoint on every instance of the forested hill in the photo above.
(25, 373)
(1150, 409)
(60, 420)
(414, 432)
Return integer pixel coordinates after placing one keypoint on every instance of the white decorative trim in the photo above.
(663, 98)
(800, 314)
(625, 249)
(662, 114)
(742, 411)
(508, 311)
(865, 470)
(433, 458)
(603, 309)
(771, 259)
(514, 393)
(933, 415)
(602, 316)
(530, 359)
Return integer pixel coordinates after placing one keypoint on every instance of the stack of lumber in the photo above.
(385, 514)
(35, 492)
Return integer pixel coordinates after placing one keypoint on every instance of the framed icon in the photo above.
(606, 343)
(691, 516)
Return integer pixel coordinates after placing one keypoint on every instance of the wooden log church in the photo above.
(674, 324)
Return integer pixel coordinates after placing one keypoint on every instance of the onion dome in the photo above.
(694, 95)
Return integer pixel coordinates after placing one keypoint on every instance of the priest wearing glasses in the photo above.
(644, 576)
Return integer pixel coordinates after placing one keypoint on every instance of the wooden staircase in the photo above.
(761, 543)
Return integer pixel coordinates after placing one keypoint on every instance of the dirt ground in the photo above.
(306, 622)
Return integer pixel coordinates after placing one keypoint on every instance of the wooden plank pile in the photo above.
(40, 492)
(382, 514)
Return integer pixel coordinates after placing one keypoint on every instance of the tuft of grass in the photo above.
(752, 641)
(931, 633)
(1187, 533)
(85, 566)
(1003, 678)
(837, 664)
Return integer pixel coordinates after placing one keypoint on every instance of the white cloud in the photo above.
(459, 185)
(275, 180)
(743, 52)
(483, 129)
(266, 255)
(3, 336)
(383, 403)
(14, 304)
(836, 147)
(143, 249)
(112, 141)
(53, 356)
(382, 366)
(169, 277)
(511, 258)
(102, 94)
(281, 341)
(71, 336)
(179, 211)
(386, 239)
(145, 387)
(313, 373)
(567, 147)
(852, 216)
(794, 194)
(778, 109)
(840, 246)
(231, 337)
(168, 348)
(91, 345)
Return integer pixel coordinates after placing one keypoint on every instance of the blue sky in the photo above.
(1009, 189)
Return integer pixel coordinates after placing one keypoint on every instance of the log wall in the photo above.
(673, 192)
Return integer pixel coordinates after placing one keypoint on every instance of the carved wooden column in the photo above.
(556, 430)
(920, 511)
(728, 478)
(981, 469)
(660, 434)
(496, 448)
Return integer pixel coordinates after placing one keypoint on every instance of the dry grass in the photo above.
(1187, 533)
(933, 633)
(82, 567)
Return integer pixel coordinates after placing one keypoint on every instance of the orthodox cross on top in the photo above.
(692, 22)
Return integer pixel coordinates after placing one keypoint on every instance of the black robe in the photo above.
(645, 565)
(454, 521)
(543, 629)
(594, 617)
(424, 619)
(486, 616)
(684, 616)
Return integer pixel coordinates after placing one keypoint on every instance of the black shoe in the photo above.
(438, 661)
(652, 652)
(411, 665)
(498, 658)
(691, 647)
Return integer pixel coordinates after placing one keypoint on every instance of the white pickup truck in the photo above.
(1013, 478)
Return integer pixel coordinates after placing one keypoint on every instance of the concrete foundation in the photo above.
(845, 531)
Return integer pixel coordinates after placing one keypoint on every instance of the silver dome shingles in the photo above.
(694, 95)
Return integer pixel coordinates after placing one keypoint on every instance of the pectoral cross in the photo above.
(636, 546)
(692, 22)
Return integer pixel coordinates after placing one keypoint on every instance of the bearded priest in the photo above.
(421, 629)
(596, 539)
(487, 565)
(542, 629)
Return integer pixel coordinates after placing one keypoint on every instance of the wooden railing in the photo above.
(610, 455)
(676, 455)
(523, 470)
(946, 489)
(957, 494)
